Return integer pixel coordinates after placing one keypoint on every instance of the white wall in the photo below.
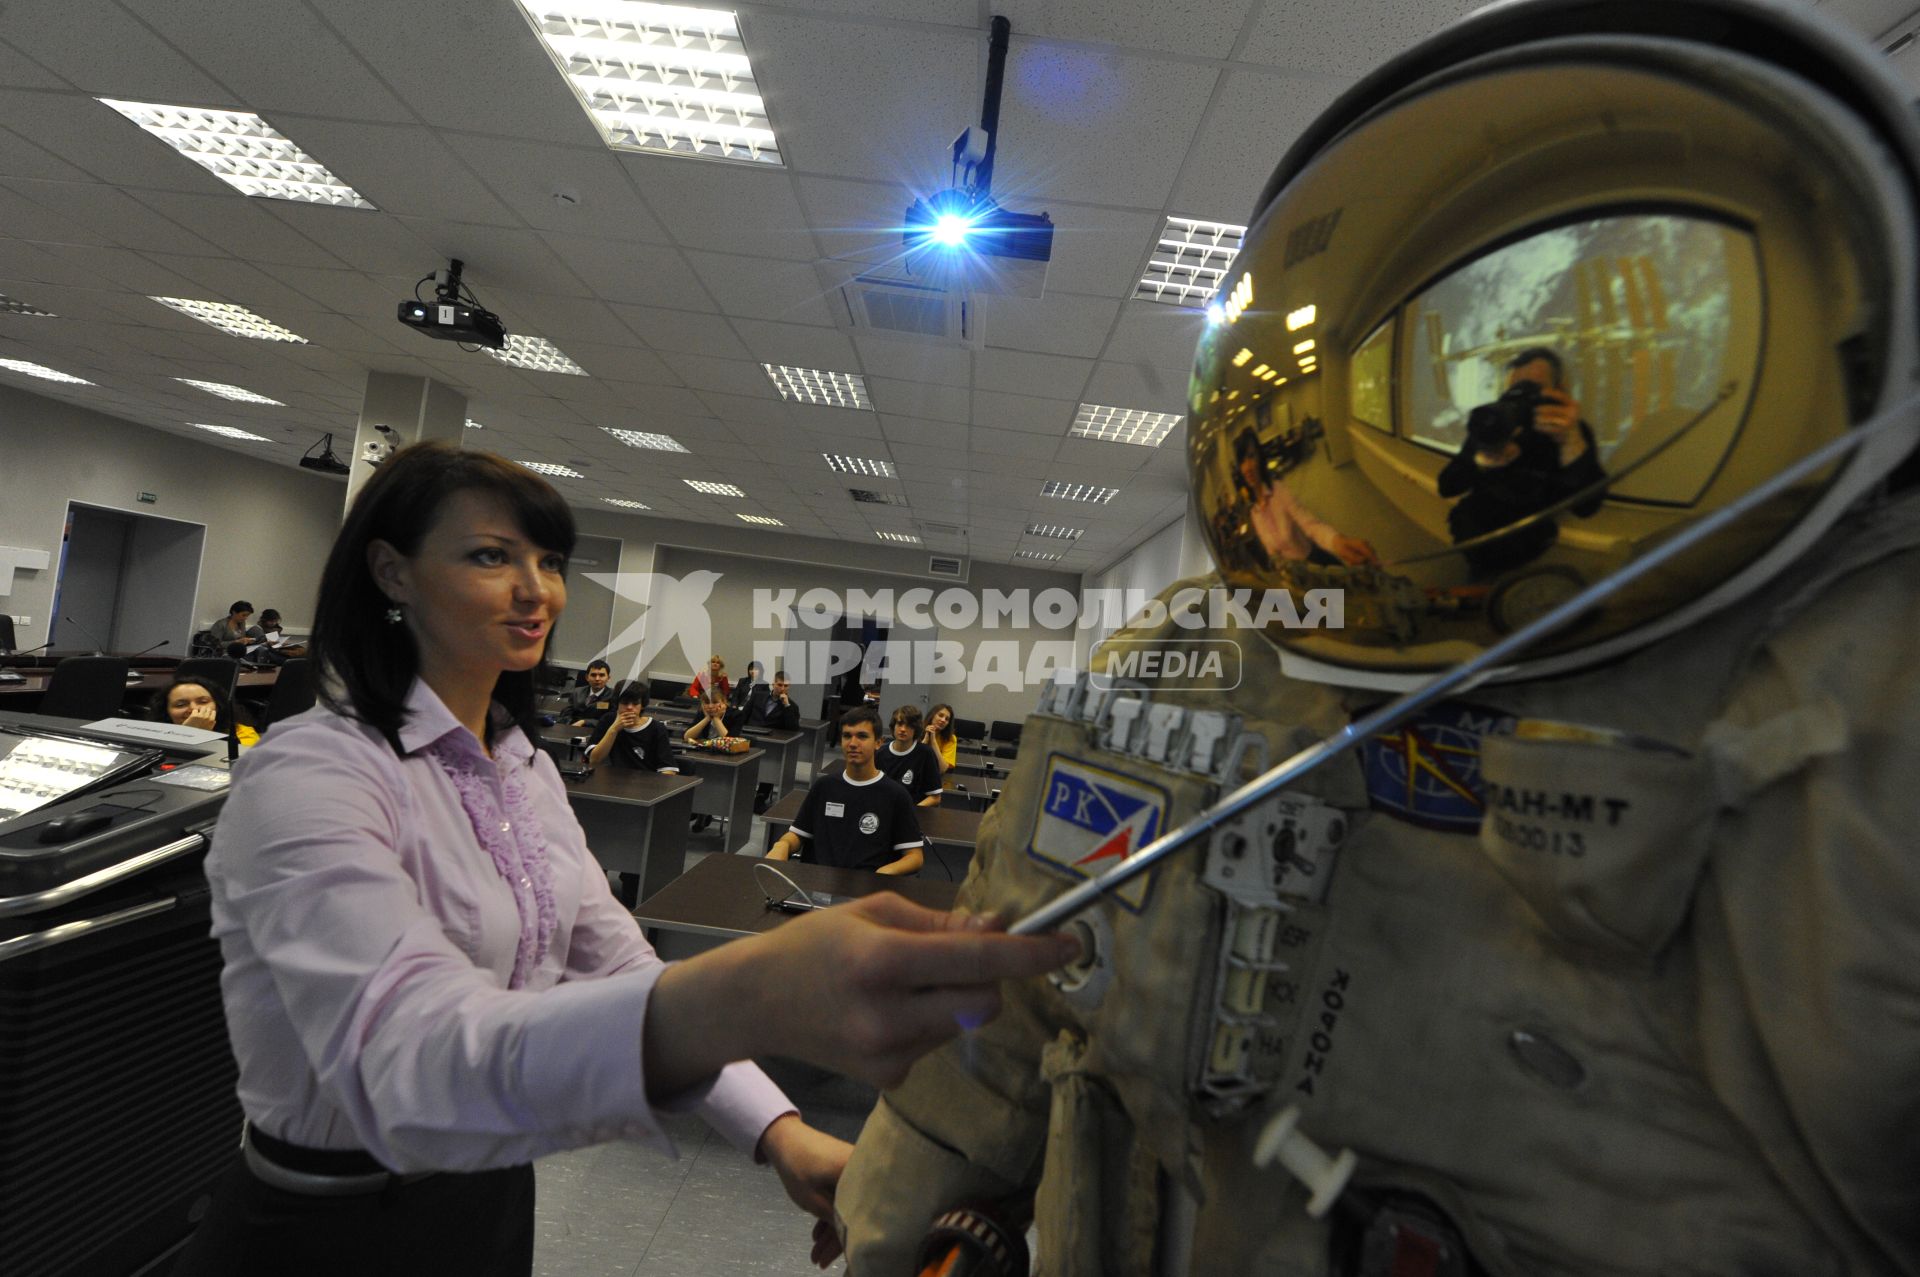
(268, 526)
(1174, 553)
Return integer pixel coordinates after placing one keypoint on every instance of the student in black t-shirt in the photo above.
(592, 698)
(631, 736)
(910, 760)
(856, 818)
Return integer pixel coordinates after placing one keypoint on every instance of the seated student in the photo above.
(743, 691)
(586, 703)
(233, 633)
(273, 636)
(910, 760)
(712, 723)
(709, 680)
(940, 735)
(193, 704)
(770, 706)
(856, 818)
(630, 736)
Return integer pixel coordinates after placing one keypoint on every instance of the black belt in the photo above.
(316, 1172)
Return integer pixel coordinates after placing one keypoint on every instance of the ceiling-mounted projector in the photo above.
(326, 462)
(960, 239)
(450, 316)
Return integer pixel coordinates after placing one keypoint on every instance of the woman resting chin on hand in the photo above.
(429, 984)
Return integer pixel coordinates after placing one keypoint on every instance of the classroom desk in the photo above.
(720, 898)
(951, 833)
(971, 762)
(728, 788)
(781, 767)
(636, 824)
(826, 742)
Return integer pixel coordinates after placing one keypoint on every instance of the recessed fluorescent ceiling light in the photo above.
(237, 320)
(811, 385)
(41, 370)
(859, 465)
(645, 439)
(1054, 530)
(760, 519)
(1189, 262)
(242, 150)
(713, 489)
(14, 306)
(905, 538)
(474, 425)
(230, 392)
(1036, 554)
(1077, 491)
(869, 497)
(538, 354)
(659, 77)
(1123, 425)
(230, 432)
(626, 505)
(553, 468)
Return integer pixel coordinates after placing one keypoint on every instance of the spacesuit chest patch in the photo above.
(1092, 818)
(1427, 770)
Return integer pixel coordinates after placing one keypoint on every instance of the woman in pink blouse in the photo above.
(428, 983)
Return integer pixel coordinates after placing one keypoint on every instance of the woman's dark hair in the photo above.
(241, 606)
(1246, 447)
(269, 616)
(365, 665)
(222, 711)
(941, 736)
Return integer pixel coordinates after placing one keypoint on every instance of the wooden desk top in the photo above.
(684, 753)
(630, 785)
(945, 826)
(721, 895)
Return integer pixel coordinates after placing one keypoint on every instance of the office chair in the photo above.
(86, 687)
(292, 692)
(1007, 739)
(218, 674)
(969, 729)
(6, 633)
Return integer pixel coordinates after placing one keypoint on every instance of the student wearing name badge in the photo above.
(630, 736)
(910, 760)
(428, 981)
(592, 699)
(856, 818)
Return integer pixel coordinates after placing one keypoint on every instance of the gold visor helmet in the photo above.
(1525, 304)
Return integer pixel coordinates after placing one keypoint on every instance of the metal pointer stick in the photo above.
(1082, 895)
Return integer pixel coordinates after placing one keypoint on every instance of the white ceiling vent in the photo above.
(887, 300)
(947, 565)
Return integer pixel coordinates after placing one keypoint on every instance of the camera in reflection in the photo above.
(1492, 426)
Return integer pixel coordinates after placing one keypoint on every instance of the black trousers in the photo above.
(477, 1225)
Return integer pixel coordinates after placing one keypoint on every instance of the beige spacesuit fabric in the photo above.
(1658, 1014)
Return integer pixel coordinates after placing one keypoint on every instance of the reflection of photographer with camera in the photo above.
(1525, 452)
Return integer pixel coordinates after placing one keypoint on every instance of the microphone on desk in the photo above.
(86, 633)
(7, 675)
(146, 651)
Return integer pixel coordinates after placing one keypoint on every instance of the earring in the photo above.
(395, 615)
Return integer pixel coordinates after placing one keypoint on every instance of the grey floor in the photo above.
(627, 1210)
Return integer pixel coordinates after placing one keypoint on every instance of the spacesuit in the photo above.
(1611, 963)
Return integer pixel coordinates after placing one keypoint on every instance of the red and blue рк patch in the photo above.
(1427, 770)
(1091, 818)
